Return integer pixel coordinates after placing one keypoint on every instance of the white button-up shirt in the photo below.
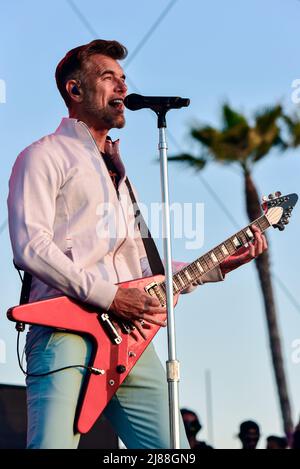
(69, 227)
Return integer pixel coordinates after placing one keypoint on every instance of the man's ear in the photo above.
(74, 90)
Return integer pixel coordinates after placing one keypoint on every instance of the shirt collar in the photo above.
(73, 128)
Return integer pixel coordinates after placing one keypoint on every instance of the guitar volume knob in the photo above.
(121, 369)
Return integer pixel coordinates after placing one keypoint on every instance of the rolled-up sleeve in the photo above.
(33, 188)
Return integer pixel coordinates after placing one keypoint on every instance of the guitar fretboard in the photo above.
(194, 271)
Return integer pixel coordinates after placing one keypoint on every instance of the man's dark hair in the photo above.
(71, 66)
(185, 411)
(248, 425)
(280, 441)
(195, 426)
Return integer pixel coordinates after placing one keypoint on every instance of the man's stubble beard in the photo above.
(104, 115)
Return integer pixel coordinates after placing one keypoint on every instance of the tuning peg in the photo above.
(277, 194)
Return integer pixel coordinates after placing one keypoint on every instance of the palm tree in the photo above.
(240, 143)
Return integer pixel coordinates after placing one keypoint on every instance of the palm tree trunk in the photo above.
(263, 267)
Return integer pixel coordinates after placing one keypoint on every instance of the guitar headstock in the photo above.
(278, 208)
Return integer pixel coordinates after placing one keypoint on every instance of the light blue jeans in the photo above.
(138, 411)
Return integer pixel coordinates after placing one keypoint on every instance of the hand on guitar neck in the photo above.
(246, 254)
(136, 306)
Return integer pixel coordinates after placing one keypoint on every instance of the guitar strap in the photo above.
(153, 256)
(26, 285)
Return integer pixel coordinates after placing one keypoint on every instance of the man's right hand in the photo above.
(135, 305)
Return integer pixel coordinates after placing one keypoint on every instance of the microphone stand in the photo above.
(172, 364)
(161, 105)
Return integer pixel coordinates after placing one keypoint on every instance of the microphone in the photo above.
(134, 102)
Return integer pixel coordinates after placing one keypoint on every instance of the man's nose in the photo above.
(122, 86)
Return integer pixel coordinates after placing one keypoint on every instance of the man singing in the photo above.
(64, 235)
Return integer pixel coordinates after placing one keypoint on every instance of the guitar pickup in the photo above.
(110, 329)
(150, 288)
(156, 290)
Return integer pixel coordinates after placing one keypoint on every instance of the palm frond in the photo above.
(293, 126)
(206, 135)
(238, 141)
(232, 118)
(266, 118)
(189, 160)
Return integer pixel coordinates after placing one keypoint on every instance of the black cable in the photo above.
(150, 32)
(82, 18)
(208, 187)
(22, 280)
(205, 183)
(91, 369)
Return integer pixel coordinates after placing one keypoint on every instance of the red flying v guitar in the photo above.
(115, 349)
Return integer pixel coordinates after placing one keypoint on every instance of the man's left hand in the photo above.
(246, 254)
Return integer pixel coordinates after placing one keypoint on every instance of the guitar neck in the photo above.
(213, 258)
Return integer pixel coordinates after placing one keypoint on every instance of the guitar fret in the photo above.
(260, 224)
(230, 246)
(199, 267)
(219, 254)
(195, 270)
(181, 280)
(264, 223)
(175, 287)
(236, 242)
(187, 274)
(224, 250)
(248, 233)
(185, 277)
(243, 237)
(204, 264)
(213, 257)
(208, 261)
(177, 282)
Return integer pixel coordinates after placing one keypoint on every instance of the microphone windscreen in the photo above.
(134, 101)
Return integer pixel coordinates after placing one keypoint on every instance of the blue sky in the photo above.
(243, 52)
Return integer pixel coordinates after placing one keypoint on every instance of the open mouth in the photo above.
(117, 104)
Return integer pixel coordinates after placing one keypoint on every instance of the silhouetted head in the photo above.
(249, 434)
(276, 442)
(191, 422)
